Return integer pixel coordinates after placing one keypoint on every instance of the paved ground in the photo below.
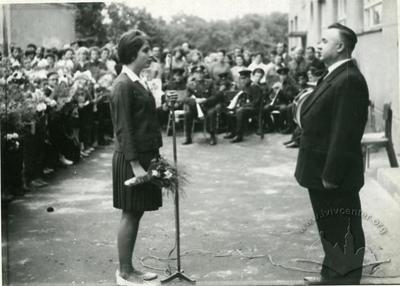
(242, 204)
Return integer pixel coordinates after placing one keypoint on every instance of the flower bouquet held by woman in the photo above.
(161, 173)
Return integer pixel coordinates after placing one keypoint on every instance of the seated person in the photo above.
(306, 90)
(244, 105)
(284, 92)
(225, 91)
(223, 82)
(302, 80)
(257, 76)
(201, 101)
(178, 82)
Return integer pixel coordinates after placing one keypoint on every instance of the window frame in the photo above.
(368, 9)
(342, 11)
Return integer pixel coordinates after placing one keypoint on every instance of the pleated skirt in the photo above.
(144, 197)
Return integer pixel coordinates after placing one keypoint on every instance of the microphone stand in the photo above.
(179, 272)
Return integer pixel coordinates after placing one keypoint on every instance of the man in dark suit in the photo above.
(330, 161)
(284, 93)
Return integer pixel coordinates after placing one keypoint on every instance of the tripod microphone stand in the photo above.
(179, 272)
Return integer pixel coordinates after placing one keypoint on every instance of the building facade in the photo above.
(377, 52)
(45, 24)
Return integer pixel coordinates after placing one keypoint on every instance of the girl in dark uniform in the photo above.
(138, 139)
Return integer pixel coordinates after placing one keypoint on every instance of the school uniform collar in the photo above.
(134, 77)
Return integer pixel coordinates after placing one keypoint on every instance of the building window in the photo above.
(372, 14)
(291, 26)
(295, 23)
(342, 9)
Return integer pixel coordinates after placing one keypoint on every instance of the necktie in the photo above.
(324, 74)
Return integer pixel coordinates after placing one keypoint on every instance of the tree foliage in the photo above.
(253, 31)
(123, 18)
(89, 22)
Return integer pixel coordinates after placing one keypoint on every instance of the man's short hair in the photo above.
(302, 74)
(50, 55)
(222, 51)
(33, 46)
(311, 48)
(51, 72)
(348, 36)
(29, 53)
(240, 56)
(95, 49)
(239, 48)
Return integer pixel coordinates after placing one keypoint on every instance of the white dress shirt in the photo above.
(334, 66)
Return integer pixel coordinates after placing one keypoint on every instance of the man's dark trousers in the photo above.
(338, 216)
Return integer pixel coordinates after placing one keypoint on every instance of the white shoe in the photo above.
(146, 276)
(65, 161)
(123, 282)
(84, 154)
(47, 171)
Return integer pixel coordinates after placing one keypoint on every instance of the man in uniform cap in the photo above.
(223, 82)
(178, 82)
(283, 94)
(244, 105)
(201, 98)
(330, 163)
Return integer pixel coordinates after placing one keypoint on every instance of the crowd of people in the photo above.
(236, 91)
(55, 102)
(54, 111)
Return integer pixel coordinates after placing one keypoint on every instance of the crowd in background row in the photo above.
(55, 102)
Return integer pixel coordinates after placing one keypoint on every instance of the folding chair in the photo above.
(378, 139)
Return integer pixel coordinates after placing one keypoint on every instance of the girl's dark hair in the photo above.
(66, 50)
(129, 45)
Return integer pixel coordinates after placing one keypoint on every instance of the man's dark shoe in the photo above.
(292, 145)
(188, 142)
(229, 136)
(287, 142)
(237, 139)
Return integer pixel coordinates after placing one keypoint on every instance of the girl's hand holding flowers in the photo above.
(160, 173)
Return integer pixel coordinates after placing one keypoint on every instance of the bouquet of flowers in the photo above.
(12, 141)
(162, 174)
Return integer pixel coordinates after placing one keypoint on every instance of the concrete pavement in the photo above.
(243, 215)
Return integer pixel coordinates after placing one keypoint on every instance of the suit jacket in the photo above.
(333, 118)
(287, 93)
(133, 112)
(203, 89)
(251, 97)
